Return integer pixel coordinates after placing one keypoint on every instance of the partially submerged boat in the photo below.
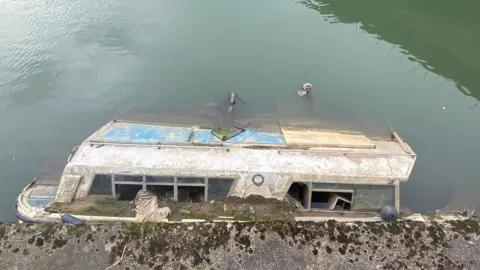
(319, 173)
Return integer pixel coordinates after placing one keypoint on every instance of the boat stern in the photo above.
(32, 201)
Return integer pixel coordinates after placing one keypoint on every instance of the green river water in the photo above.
(68, 67)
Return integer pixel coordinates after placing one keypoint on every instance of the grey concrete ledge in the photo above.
(263, 245)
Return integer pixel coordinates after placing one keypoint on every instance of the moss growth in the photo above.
(111, 255)
(59, 243)
(417, 234)
(244, 216)
(89, 238)
(436, 233)
(39, 242)
(245, 241)
(141, 259)
(134, 228)
(267, 218)
(47, 230)
(76, 230)
(163, 238)
(395, 228)
(196, 215)
(31, 240)
(103, 206)
(466, 227)
(152, 243)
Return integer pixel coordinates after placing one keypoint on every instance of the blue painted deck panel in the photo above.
(43, 192)
(146, 133)
(42, 195)
(38, 202)
(248, 136)
(142, 133)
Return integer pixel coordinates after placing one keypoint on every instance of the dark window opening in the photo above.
(162, 192)
(190, 180)
(299, 193)
(191, 194)
(331, 200)
(126, 192)
(101, 185)
(128, 178)
(159, 179)
(219, 187)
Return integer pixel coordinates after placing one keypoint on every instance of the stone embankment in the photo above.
(262, 245)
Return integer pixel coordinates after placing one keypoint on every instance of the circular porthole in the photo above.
(258, 179)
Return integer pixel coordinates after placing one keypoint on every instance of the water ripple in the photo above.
(45, 46)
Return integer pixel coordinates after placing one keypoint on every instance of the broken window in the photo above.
(331, 200)
(162, 186)
(162, 192)
(190, 194)
(219, 187)
(190, 189)
(101, 185)
(127, 186)
(126, 192)
(298, 194)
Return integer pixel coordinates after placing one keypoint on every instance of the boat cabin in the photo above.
(318, 169)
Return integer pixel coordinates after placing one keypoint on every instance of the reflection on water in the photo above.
(442, 36)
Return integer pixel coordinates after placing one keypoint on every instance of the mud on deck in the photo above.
(95, 205)
(252, 208)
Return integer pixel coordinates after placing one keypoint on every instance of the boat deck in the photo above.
(120, 132)
(124, 132)
(41, 195)
(44, 189)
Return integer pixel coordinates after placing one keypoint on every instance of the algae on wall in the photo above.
(287, 245)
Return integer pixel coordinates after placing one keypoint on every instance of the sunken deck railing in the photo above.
(226, 147)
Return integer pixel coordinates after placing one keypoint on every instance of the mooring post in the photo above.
(397, 196)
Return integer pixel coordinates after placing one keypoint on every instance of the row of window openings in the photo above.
(182, 189)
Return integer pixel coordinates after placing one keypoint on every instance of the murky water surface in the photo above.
(67, 67)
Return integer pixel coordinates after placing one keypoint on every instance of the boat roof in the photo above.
(272, 135)
(175, 160)
(172, 150)
(140, 133)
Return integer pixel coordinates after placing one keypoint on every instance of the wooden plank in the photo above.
(325, 138)
(404, 146)
(332, 201)
(68, 187)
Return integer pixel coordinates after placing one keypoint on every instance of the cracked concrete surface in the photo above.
(263, 245)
